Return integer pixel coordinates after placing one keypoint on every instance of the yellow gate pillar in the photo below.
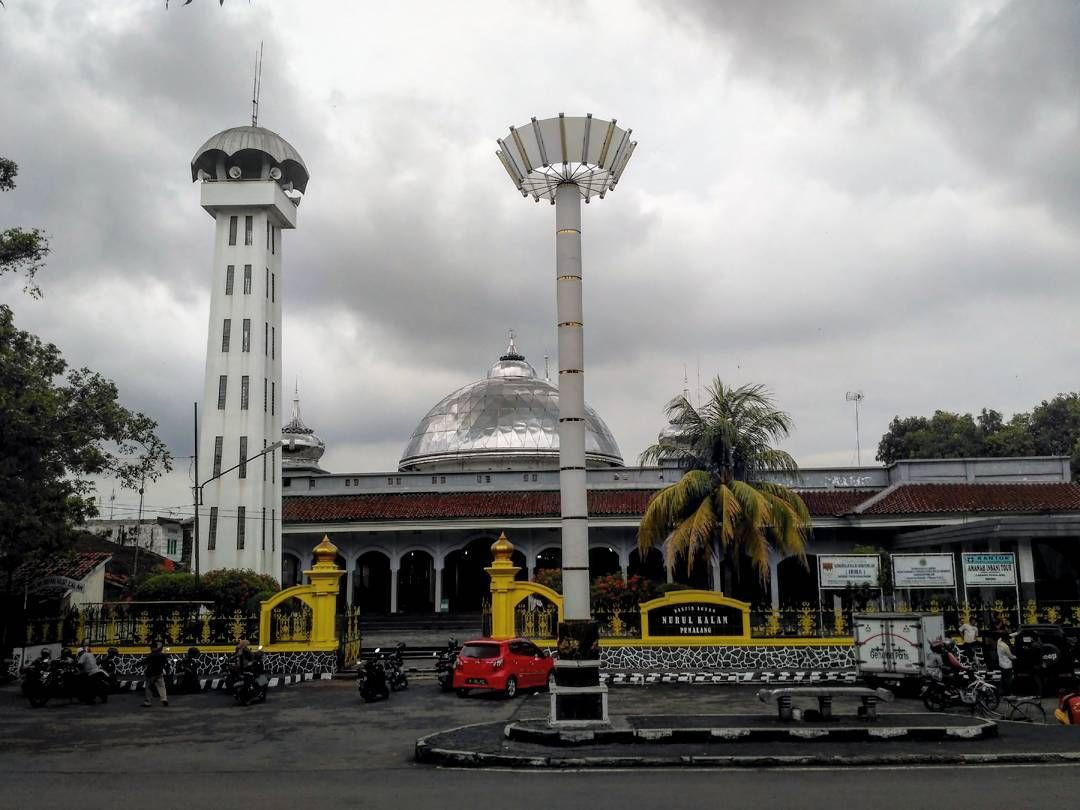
(324, 577)
(502, 572)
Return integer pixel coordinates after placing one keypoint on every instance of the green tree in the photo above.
(721, 504)
(58, 426)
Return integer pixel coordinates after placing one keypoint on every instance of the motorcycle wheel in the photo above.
(550, 681)
(399, 683)
(934, 700)
(987, 698)
(446, 683)
(511, 687)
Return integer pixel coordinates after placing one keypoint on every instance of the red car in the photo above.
(502, 665)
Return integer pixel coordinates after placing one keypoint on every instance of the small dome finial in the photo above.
(511, 351)
(502, 550)
(326, 552)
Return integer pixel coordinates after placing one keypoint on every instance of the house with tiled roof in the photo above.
(484, 460)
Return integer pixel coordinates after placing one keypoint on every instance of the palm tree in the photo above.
(721, 503)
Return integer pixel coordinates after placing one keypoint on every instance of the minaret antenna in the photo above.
(256, 87)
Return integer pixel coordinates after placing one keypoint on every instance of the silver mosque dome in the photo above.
(301, 449)
(246, 147)
(509, 420)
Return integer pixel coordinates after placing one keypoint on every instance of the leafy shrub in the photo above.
(672, 586)
(233, 589)
(254, 604)
(168, 586)
(613, 593)
(550, 577)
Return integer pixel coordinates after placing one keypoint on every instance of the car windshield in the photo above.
(480, 651)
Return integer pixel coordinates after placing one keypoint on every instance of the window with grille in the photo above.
(222, 388)
(219, 442)
(241, 526)
(249, 228)
(232, 230)
(247, 279)
(245, 385)
(246, 347)
(243, 457)
(211, 535)
(226, 332)
(230, 272)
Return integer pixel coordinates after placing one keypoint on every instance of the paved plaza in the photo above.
(317, 743)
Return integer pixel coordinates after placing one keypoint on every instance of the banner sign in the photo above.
(63, 583)
(923, 571)
(995, 568)
(695, 619)
(841, 571)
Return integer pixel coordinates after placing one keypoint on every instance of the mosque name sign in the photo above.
(709, 615)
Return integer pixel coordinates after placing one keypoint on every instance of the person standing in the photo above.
(968, 633)
(154, 665)
(1005, 658)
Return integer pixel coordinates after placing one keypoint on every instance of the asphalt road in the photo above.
(317, 744)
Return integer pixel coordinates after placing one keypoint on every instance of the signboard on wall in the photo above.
(990, 569)
(843, 570)
(923, 571)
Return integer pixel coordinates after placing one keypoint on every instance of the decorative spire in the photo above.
(296, 403)
(511, 351)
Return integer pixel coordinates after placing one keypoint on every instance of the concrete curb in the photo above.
(218, 681)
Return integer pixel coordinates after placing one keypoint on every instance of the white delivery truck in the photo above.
(893, 649)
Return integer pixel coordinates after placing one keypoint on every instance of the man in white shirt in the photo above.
(968, 633)
(1005, 658)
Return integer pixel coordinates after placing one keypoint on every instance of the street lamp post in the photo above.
(565, 160)
(856, 397)
(199, 493)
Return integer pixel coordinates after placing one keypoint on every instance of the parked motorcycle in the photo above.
(186, 677)
(371, 680)
(45, 679)
(109, 664)
(395, 673)
(444, 664)
(939, 695)
(249, 683)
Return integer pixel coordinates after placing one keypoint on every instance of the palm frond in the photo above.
(670, 506)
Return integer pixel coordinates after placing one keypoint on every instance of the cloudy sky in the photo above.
(826, 197)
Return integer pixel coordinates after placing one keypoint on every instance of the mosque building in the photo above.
(484, 460)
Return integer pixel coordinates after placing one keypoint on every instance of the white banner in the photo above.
(994, 568)
(842, 570)
(923, 571)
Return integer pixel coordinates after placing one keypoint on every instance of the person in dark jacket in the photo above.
(155, 664)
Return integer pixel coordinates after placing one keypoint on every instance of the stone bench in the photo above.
(825, 694)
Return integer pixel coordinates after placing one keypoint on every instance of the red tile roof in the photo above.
(77, 565)
(905, 499)
(932, 498)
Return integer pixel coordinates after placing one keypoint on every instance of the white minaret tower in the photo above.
(251, 181)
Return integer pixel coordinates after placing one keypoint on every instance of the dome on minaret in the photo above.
(255, 150)
(508, 420)
(301, 449)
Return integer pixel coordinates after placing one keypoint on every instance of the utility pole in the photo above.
(138, 523)
(195, 490)
(856, 397)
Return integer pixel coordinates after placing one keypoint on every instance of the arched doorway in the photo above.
(549, 558)
(603, 561)
(290, 570)
(797, 583)
(416, 583)
(652, 568)
(371, 583)
(465, 582)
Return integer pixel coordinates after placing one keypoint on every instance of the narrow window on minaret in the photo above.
(222, 388)
(273, 287)
(267, 282)
(249, 230)
(245, 385)
(264, 472)
(243, 456)
(247, 279)
(267, 234)
(264, 395)
(219, 442)
(226, 331)
(264, 526)
(273, 342)
(246, 347)
(273, 397)
(266, 338)
(273, 536)
(241, 526)
(273, 466)
(232, 230)
(273, 240)
(211, 536)
(230, 271)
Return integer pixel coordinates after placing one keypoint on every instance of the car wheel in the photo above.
(462, 692)
(511, 687)
(550, 684)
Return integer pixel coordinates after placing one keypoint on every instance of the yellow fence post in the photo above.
(502, 572)
(320, 595)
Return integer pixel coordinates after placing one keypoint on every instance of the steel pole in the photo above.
(574, 508)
